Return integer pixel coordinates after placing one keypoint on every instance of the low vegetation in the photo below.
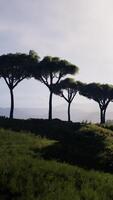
(35, 167)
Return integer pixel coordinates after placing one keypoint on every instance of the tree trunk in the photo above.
(69, 118)
(50, 105)
(12, 104)
(102, 116)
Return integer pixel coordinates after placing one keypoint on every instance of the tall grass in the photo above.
(25, 175)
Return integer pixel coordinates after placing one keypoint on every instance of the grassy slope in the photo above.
(25, 175)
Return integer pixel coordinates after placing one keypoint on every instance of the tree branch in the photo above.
(59, 77)
(73, 96)
(65, 97)
(6, 81)
(44, 81)
(18, 81)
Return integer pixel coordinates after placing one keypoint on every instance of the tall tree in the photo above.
(67, 89)
(101, 93)
(50, 71)
(13, 69)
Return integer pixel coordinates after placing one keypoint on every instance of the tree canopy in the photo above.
(14, 68)
(67, 89)
(54, 73)
(101, 93)
(50, 71)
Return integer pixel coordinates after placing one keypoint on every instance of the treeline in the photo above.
(54, 73)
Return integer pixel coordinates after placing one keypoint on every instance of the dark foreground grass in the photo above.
(86, 145)
(25, 175)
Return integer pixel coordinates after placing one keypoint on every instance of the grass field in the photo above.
(36, 168)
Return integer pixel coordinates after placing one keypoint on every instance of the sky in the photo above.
(80, 31)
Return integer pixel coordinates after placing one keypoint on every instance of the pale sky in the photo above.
(80, 31)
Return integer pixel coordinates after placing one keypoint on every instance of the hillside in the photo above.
(31, 166)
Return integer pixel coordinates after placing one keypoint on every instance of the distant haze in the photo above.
(78, 114)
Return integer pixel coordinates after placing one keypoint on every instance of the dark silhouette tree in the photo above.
(34, 55)
(67, 89)
(14, 68)
(50, 71)
(101, 93)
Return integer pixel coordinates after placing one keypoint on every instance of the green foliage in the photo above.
(16, 67)
(96, 91)
(49, 71)
(34, 55)
(56, 66)
(25, 175)
(101, 93)
(88, 146)
(67, 89)
(67, 85)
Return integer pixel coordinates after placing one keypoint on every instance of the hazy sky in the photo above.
(80, 31)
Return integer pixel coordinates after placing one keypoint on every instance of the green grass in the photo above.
(21, 144)
(90, 147)
(25, 175)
